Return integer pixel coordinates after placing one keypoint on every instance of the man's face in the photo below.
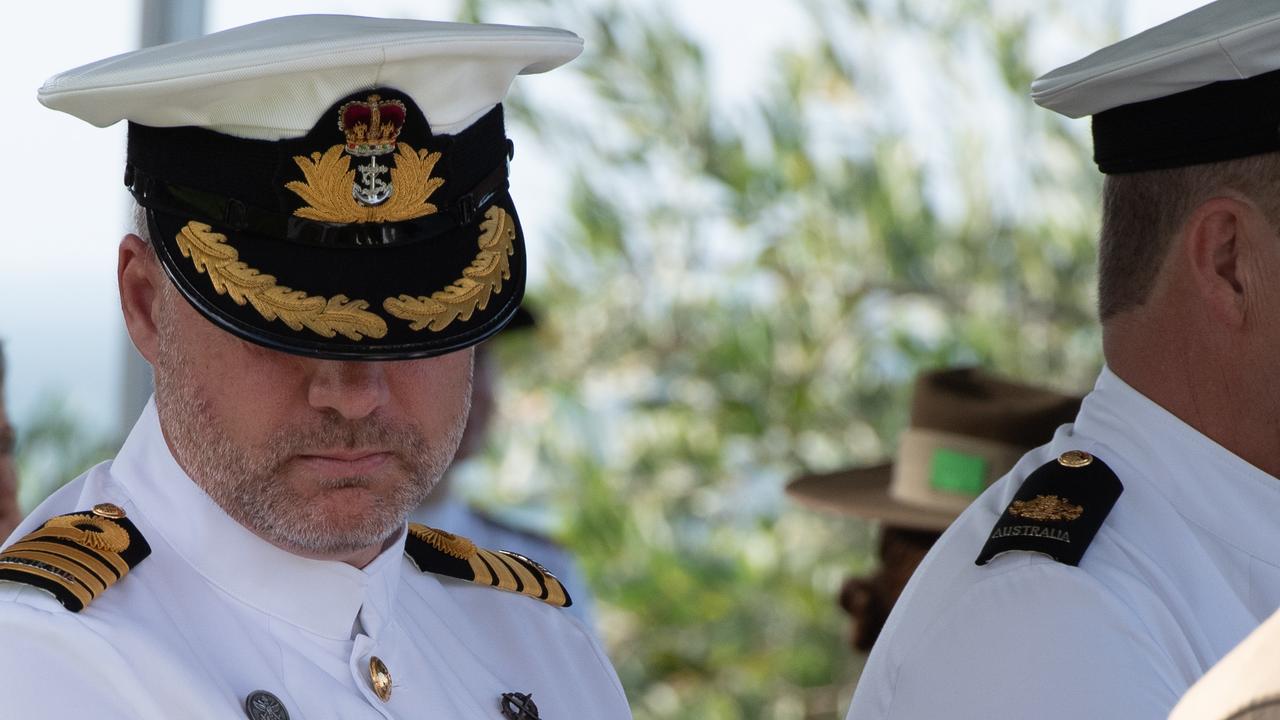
(322, 458)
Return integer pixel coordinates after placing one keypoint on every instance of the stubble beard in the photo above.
(249, 483)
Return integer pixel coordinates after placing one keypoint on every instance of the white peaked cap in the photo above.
(1224, 40)
(240, 150)
(272, 79)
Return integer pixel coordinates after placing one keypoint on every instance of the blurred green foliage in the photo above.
(741, 290)
(55, 447)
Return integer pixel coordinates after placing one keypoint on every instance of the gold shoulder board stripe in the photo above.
(442, 553)
(550, 587)
(75, 557)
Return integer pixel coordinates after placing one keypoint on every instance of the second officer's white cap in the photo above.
(1200, 88)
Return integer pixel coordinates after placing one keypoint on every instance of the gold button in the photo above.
(1074, 459)
(380, 676)
(107, 510)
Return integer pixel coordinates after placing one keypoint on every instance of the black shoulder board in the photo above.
(1058, 509)
(442, 553)
(76, 557)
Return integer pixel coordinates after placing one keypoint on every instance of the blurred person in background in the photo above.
(1114, 566)
(446, 509)
(10, 512)
(967, 429)
(325, 232)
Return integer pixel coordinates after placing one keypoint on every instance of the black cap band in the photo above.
(1225, 120)
(236, 215)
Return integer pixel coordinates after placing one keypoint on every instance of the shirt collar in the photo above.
(322, 597)
(1206, 483)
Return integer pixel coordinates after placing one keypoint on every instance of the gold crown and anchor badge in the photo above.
(331, 189)
(372, 127)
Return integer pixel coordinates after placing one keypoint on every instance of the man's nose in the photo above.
(353, 389)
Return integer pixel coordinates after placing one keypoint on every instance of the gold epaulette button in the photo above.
(1075, 459)
(108, 510)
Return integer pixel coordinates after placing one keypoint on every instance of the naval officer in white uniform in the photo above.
(1110, 569)
(325, 233)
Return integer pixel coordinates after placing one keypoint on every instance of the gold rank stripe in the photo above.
(525, 581)
(94, 584)
(500, 569)
(511, 572)
(552, 590)
(76, 556)
(69, 534)
(481, 569)
(502, 575)
(75, 589)
(96, 564)
(44, 535)
(529, 576)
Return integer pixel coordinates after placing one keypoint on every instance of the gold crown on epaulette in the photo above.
(1046, 507)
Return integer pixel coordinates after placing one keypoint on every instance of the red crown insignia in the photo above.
(371, 126)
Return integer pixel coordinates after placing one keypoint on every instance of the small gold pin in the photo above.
(108, 510)
(380, 677)
(1075, 459)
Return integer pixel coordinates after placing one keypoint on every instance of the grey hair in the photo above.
(140, 226)
(1143, 212)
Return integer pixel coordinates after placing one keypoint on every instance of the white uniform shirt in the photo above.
(1186, 564)
(454, 515)
(216, 613)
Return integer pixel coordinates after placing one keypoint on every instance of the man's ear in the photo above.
(138, 274)
(1215, 240)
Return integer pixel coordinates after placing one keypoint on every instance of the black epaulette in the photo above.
(76, 557)
(1058, 510)
(442, 553)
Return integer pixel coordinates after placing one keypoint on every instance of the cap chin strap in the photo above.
(225, 212)
(944, 471)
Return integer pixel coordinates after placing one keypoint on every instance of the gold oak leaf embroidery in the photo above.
(95, 532)
(446, 542)
(328, 180)
(231, 276)
(481, 279)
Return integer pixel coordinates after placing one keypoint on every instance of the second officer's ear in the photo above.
(1226, 243)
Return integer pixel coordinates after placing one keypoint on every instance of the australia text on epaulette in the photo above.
(1032, 531)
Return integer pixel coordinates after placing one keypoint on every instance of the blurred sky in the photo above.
(59, 317)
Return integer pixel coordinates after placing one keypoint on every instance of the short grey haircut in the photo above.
(1143, 212)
